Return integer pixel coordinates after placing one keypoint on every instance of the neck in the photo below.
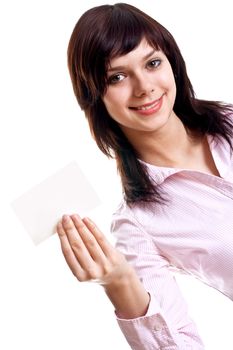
(171, 146)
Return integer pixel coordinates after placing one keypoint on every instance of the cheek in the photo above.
(167, 79)
(107, 100)
(110, 103)
(110, 97)
(122, 90)
(169, 85)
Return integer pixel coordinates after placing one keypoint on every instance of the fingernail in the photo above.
(65, 218)
(59, 225)
(75, 216)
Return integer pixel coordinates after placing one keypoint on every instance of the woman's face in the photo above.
(141, 90)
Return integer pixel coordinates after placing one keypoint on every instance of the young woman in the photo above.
(174, 155)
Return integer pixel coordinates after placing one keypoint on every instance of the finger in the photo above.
(77, 245)
(69, 254)
(105, 245)
(89, 240)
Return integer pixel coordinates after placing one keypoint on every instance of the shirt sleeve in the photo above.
(166, 324)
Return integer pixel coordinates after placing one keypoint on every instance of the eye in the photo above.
(114, 79)
(154, 63)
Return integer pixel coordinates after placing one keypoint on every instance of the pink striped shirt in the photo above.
(193, 233)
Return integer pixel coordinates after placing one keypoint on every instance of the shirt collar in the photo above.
(221, 154)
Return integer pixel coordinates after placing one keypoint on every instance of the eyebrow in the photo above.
(112, 69)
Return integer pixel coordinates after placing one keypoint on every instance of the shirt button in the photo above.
(159, 324)
(158, 327)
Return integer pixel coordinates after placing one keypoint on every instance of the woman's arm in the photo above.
(157, 322)
(128, 296)
(91, 257)
(167, 324)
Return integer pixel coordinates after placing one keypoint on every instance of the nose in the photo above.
(142, 86)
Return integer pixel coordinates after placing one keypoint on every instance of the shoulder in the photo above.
(123, 213)
(134, 211)
(133, 219)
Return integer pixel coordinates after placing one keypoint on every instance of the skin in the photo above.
(87, 252)
(140, 77)
(92, 258)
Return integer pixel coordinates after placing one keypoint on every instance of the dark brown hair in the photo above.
(109, 31)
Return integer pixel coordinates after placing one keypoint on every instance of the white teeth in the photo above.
(148, 107)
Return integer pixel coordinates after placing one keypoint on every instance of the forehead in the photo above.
(142, 51)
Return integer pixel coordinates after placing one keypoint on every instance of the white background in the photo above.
(42, 306)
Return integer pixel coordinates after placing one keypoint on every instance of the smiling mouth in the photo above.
(147, 106)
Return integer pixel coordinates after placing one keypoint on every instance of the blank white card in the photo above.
(66, 192)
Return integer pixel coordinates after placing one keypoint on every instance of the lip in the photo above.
(155, 106)
(147, 104)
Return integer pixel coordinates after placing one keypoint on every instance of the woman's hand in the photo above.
(88, 253)
(92, 258)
